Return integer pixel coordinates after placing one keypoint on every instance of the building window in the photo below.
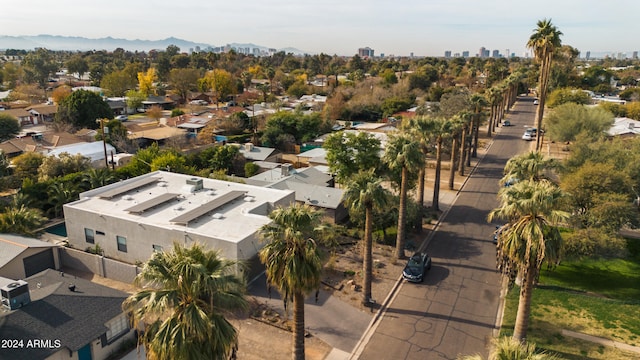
(117, 327)
(122, 243)
(98, 232)
(157, 248)
(88, 236)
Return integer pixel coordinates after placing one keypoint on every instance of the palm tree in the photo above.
(95, 178)
(530, 166)
(544, 42)
(442, 129)
(532, 210)
(402, 155)
(365, 193)
(420, 129)
(478, 101)
(293, 261)
(506, 348)
(465, 143)
(19, 219)
(60, 194)
(186, 295)
(457, 126)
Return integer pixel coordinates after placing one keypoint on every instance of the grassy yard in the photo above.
(596, 297)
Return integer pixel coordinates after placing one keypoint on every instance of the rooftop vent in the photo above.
(196, 184)
(286, 169)
(248, 147)
(217, 216)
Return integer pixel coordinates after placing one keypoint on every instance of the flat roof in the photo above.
(195, 210)
(207, 207)
(144, 206)
(109, 194)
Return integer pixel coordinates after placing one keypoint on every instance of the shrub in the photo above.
(593, 242)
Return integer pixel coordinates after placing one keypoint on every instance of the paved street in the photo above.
(455, 310)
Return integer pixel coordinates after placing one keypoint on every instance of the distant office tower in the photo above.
(465, 54)
(635, 55)
(506, 53)
(365, 52)
(588, 55)
(411, 54)
(481, 52)
(495, 53)
(447, 54)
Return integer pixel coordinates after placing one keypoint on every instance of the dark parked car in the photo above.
(415, 269)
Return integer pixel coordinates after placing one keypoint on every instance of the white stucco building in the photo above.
(131, 219)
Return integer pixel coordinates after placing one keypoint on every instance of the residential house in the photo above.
(24, 117)
(254, 153)
(22, 256)
(43, 112)
(38, 142)
(58, 316)
(624, 128)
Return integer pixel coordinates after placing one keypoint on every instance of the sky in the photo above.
(400, 27)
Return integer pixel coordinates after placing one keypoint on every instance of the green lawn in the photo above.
(616, 279)
(596, 297)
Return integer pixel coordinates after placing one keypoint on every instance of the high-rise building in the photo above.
(447, 54)
(465, 54)
(481, 52)
(495, 54)
(365, 52)
(635, 55)
(588, 55)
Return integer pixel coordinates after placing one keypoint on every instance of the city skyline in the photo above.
(334, 27)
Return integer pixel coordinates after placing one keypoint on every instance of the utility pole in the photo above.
(105, 131)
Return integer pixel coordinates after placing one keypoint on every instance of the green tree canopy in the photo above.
(63, 164)
(82, 108)
(568, 120)
(9, 127)
(568, 95)
(349, 153)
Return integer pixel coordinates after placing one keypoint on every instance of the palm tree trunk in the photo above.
(476, 132)
(435, 204)
(401, 215)
(463, 151)
(298, 326)
(490, 125)
(524, 307)
(452, 170)
(421, 180)
(544, 82)
(368, 244)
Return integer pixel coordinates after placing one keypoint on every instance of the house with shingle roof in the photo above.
(65, 317)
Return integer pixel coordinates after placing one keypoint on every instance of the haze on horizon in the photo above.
(424, 28)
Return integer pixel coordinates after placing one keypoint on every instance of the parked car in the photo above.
(198, 102)
(506, 123)
(122, 117)
(527, 136)
(416, 267)
(536, 102)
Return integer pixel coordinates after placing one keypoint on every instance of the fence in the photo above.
(98, 265)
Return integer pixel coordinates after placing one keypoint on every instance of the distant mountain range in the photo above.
(75, 43)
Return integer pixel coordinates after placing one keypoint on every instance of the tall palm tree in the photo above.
(364, 193)
(467, 120)
(187, 292)
(531, 236)
(420, 129)
(544, 42)
(442, 129)
(293, 261)
(19, 219)
(530, 166)
(402, 155)
(478, 101)
(457, 126)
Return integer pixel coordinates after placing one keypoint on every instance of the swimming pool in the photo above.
(58, 229)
